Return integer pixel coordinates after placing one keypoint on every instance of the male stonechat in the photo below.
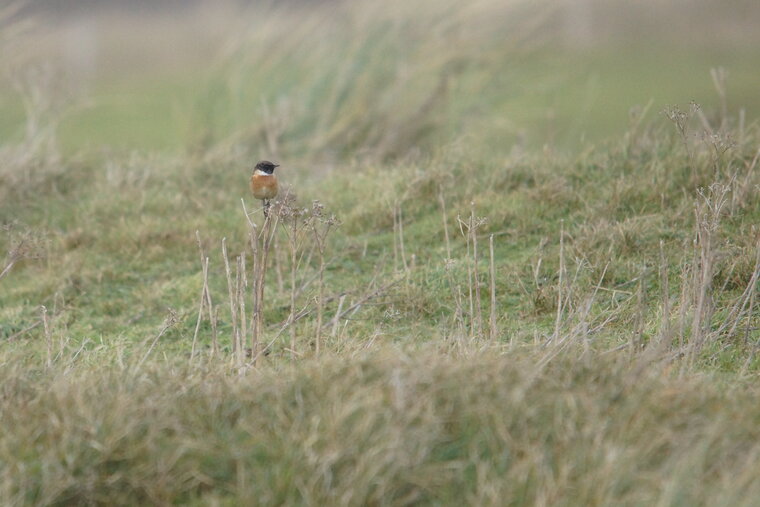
(264, 183)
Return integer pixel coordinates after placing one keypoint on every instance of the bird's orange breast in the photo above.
(264, 186)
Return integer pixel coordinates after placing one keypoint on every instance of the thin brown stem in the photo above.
(445, 224)
(476, 277)
(231, 293)
(48, 335)
(401, 238)
(492, 319)
(558, 318)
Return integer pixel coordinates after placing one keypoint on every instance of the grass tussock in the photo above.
(484, 427)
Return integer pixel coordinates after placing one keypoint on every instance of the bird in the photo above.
(264, 183)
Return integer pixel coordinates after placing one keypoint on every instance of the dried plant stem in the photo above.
(293, 237)
(704, 281)
(707, 218)
(205, 301)
(750, 313)
(278, 266)
(261, 244)
(170, 321)
(492, 320)
(682, 306)
(212, 312)
(401, 238)
(455, 289)
(469, 275)
(638, 335)
(558, 319)
(395, 241)
(445, 224)
(23, 331)
(255, 321)
(242, 284)
(201, 304)
(368, 296)
(456, 293)
(232, 293)
(48, 335)
(7, 268)
(337, 315)
(320, 290)
(321, 225)
(744, 303)
(753, 285)
(475, 276)
(665, 335)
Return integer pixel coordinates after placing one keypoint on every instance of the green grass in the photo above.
(626, 394)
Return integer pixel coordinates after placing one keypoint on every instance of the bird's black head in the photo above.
(266, 166)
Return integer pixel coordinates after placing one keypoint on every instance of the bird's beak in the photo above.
(277, 165)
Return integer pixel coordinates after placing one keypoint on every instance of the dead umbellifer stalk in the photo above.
(320, 224)
(261, 243)
(294, 221)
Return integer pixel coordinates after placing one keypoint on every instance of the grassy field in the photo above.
(530, 277)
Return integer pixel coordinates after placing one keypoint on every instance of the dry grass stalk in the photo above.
(683, 305)
(206, 303)
(234, 304)
(637, 338)
(278, 266)
(560, 284)
(292, 315)
(752, 286)
(337, 315)
(22, 243)
(202, 303)
(492, 319)
(665, 334)
(212, 312)
(708, 212)
(368, 296)
(268, 231)
(321, 225)
(8, 266)
(468, 228)
(456, 291)
(257, 289)
(753, 291)
(474, 224)
(681, 120)
(468, 238)
(261, 244)
(402, 249)
(242, 286)
(445, 223)
(171, 320)
(395, 241)
(23, 331)
(48, 335)
(294, 226)
(457, 296)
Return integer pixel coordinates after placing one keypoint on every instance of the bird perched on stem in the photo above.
(264, 183)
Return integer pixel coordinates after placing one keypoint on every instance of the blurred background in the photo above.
(336, 79)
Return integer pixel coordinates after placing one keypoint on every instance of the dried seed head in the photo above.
(317, 208)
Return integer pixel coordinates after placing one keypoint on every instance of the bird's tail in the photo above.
(267, 204)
